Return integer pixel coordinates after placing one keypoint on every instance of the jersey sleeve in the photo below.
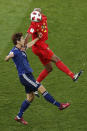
(15, 52)
(31, 29)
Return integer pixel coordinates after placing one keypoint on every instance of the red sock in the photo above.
(64, 68)
(42, 75)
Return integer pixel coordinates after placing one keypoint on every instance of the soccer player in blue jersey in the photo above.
(26, 77)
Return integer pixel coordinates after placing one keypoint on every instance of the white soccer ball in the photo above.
(35, 16)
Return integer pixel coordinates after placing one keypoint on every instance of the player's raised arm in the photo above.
(9, 56)
(27, 37)
(30, 44)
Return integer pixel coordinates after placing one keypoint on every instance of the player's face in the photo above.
(22, 41)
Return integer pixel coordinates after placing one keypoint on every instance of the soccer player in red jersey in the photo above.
(41, 48)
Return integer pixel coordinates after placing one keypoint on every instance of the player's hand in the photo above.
(40, 35)
(11, 54)
(6, 58)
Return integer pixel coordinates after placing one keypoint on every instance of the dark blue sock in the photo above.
(24, 106)
(50, 99)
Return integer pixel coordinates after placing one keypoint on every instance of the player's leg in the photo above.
(26, 104)
(27, 82)
(64, 68)
(50, 99)
(45, 72)
(23, 108)
(46, 61)
(44, 56)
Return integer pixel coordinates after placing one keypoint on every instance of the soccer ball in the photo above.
(35, 16)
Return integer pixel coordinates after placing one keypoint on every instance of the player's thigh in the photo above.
(47, 53)
(45, 56)
(29, 83)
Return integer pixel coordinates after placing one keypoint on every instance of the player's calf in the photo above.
(50, 99)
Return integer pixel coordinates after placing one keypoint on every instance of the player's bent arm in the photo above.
(27, 37)
(30, 44)
(9, 56)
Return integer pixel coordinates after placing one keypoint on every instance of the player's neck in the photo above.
(18, 46)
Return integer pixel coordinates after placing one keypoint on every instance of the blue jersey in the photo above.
(21, 61)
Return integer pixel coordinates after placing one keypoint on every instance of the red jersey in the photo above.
(37, 27)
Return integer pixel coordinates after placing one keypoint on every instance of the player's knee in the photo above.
(30, 97)
(41, 89)
(50, 69)
(55, 59)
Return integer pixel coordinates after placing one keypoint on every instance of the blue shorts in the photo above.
(28, 81)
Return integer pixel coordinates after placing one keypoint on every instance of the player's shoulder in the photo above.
(44, 16)
(15, 49)
(33, 23)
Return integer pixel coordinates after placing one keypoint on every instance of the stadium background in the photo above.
(67, 23)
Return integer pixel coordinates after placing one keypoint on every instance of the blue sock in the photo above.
(50, 99)
(24, 106)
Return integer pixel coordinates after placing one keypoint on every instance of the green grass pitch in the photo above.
(67, 24)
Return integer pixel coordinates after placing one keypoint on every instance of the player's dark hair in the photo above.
(16, 37)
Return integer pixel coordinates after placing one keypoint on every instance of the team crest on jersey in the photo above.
(43, 27)
(31, 30)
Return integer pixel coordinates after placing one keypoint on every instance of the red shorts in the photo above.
(44, 53)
